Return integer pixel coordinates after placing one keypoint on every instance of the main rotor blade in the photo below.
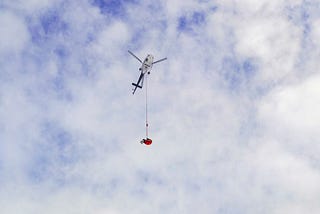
(135, 56)
(160, 60)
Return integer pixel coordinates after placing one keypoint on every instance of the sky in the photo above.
(233, 113)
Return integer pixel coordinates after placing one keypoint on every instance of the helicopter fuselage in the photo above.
(147, 64)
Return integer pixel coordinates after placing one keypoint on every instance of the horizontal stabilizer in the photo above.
(136, 85)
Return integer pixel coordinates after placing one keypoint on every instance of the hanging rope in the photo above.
(147, 107)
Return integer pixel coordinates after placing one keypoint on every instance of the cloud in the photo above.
(32, 6)
(14, 34)
(289, 115)
(232, 112)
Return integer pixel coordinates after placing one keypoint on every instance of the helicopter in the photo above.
(146, 66)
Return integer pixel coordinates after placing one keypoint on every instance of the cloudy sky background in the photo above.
(234, 111)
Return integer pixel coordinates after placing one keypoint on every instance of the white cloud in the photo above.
(70, 127)
(290, 115)
(32, 6)
(286, 180)
(273, 40)
(315, 32)
(114, 37)
(178, 8)
(13, 33)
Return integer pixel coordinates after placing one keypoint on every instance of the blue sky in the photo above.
(233, 112)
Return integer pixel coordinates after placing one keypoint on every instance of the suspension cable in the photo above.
(147, 125)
